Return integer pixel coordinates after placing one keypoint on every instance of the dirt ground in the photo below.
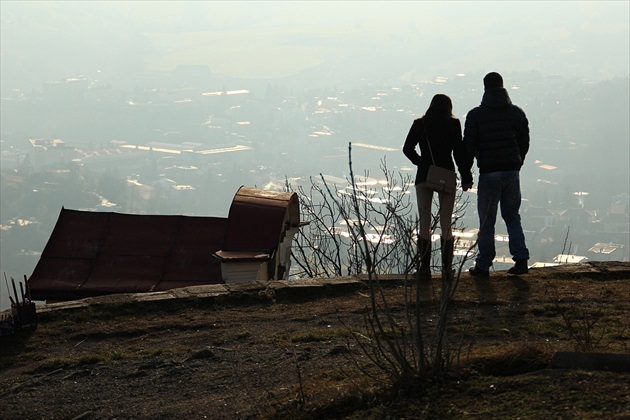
(261, 355)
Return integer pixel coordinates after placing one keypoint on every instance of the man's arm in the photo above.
(523, 135)
(464, 164)
(470, 139)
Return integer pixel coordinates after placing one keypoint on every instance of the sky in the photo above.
(272, 39)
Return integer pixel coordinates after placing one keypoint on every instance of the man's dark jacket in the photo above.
(496, 133)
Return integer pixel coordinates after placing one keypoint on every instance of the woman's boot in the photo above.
(425, 258)
(447, 256)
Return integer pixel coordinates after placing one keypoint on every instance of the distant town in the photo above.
(184, 143)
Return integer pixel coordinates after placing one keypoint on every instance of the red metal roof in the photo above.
(96, 253)
(257, 219)
(91, 253)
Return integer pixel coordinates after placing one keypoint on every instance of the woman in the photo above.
(443, 131)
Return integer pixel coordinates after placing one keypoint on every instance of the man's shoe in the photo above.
(479, 273)
(520, 267)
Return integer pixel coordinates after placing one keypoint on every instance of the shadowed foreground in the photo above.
(288, 352)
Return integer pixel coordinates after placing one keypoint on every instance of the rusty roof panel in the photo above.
(62, 273)
(259, 232)
(256, 219)
(77, 235)
(190, 261)
(152, 235)
(95, 253)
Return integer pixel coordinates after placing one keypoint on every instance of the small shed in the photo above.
(260, 230)
(100, 253)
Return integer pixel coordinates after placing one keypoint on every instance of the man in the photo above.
(496, 133)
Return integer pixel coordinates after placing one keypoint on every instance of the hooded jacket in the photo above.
(445, 135)
(496, 133)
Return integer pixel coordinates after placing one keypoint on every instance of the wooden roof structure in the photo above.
(99, 253)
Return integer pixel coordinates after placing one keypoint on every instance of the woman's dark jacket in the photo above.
(445, 135)
(496, 133)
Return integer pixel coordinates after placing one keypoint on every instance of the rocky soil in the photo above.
(261, 352)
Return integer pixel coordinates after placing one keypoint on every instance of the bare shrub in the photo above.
(371, 229)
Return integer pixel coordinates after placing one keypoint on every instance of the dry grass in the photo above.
(294, 356)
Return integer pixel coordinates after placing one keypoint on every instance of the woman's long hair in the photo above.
(441, 106)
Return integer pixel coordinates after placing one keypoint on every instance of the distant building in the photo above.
(607, 252)
(50, 151)
(539, 217)
(569, 259)
(577, 217)
(543, 264)
(618, 218)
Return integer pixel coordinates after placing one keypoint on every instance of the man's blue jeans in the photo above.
(502, 188)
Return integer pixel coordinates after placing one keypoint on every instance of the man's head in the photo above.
(492, 80)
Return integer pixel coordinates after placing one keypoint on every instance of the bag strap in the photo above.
(424, 126)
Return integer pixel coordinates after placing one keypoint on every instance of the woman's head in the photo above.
(440, 106)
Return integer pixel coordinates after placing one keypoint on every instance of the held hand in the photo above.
(466, 187)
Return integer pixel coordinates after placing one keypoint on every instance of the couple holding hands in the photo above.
(496, 135)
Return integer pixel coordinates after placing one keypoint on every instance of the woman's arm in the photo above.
(462, 159)
(409, 149)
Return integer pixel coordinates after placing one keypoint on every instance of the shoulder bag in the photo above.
(440, 179)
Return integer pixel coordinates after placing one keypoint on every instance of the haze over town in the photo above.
(169, 107)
